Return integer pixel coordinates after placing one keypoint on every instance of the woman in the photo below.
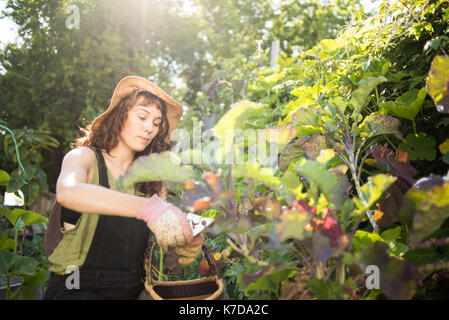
(106, 232)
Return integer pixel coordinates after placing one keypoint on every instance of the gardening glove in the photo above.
(188, 253)
(168, 223)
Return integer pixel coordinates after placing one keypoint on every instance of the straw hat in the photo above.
(130, 83)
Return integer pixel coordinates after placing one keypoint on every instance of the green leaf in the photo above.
(363, 239)
(290, 180)
(11, 215)
(262, 175)
(406, 106)
(325, 289)
(305, 117)
(291, 225)
(391, 234)
(333, 186)
(235, 118)
(377, 124)
(446, 158)
(268, 282)
(24, 266)
(30, 192)
(438, 82)
(332, 44)
(4, 178)
(361, 95)
(165, 166)
(12, 264)
(397, 277)
(15, 183)
(373, 190)
(7, 260)
(293, 151)
(28, 217)
(429, 208)
(6, 243)
(419, 147)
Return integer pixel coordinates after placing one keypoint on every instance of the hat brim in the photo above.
(131, 83)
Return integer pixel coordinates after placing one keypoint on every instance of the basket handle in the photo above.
(209, 258)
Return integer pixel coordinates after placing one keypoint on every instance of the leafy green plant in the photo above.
(26, 169)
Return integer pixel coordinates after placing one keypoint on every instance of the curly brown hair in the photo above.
(107, 135)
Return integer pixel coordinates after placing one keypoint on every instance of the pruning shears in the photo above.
(199, 223)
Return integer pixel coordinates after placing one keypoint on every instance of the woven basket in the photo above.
(206, 288)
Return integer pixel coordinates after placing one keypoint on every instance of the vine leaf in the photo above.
(360, 95)
(426, 207)
(437, 83)
(373, 190)
(292, 224)
(264, 175)
(399, 167)
(419, 147)
(377, 124)
(4, 178)
(334, 186)
(235, 118)
(305, 116)
(397, 277)
(165, 166)
(407, 105)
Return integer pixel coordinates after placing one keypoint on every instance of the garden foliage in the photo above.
(363, 151)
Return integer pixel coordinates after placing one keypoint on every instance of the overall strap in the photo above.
(102, 170)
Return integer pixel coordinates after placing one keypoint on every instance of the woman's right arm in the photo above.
(74, 191)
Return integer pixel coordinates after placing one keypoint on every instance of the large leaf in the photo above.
(397, 277)
(27, 217)
(293, 151)
(291, 225)
(165, 166)
(12, 264)
(419, 147)
(333, 186)
(15, 183)
(406, 106)
(427, 203)
(398, 166)
(360, 95)
(235, 118)
(305, 116)
(377, 124)
(373, 190)
(325, 289)
(280, 136)
(438, 83)
(254, 171)
(4, 178)
(30, 192)
(6, 242)
(363, 239)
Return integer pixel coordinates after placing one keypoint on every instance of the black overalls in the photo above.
(113, 268)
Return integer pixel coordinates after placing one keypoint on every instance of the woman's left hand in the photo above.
(188, 253)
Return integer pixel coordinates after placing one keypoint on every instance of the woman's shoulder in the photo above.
(83, 155)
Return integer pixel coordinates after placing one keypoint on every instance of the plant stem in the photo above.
(360, 193)
(16, 235)
(414, 127)
(161, 263)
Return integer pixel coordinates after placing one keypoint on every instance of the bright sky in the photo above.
(8, 29)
